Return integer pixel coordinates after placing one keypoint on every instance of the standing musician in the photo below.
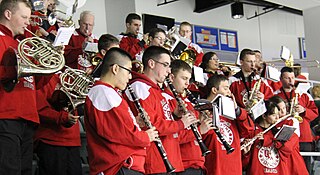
(306, 109)
(268, 155)
(157, 37)
(185, 30)
(57, 139)
(295, 163)
(18, 111)
(241, 83)
(191, 154)
(156, 62)
(129, 41)
(74, 50)
(116, 143)
(219, 162)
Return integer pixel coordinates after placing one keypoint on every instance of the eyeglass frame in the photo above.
(129, 70)
(165, 65)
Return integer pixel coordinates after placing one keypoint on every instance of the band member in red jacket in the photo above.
(306, 109)
(191, 154)
(116, 143)
(57, 138)
(129, 41)
(83, 34)
(242, 83)
(269, 155)
(18, 111)
(156, 62)
(185, 30)
(295, 163)
(219, 162)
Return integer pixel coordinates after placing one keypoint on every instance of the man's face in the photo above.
(224, 88)
(86, 25)
(19, 20)
(287, 79)
(181, 80)
(124, 75)
(162, 68)
(134, 26)
(185, 31)
(51, 5)
(158, 39)
(248, 63)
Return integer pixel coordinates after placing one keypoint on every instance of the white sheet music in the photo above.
(258, 109)
(63, 36)
(198, 75)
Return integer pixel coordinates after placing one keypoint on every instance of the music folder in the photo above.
(285, 133)
(63, 36)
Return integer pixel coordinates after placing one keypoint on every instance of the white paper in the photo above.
(63, 36)
(302, 88)
(285, 53)
(91, 47)
(258, 109)
(198, 75)
(216, 117)
(227, 108)
(273, 74)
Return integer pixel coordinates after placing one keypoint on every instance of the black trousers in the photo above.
(307, 147)
(16, 147)
(62, 160)
(126, 171)
(191, 171)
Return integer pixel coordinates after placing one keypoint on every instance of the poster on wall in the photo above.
(206, 37)
(228, 40)
(302, 47)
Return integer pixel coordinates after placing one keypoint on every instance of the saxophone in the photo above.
(253, 98)
(293, 112)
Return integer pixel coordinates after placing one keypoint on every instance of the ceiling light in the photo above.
(237, 10)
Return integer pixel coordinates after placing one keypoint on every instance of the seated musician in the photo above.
(157, 37)
(219, 162)
(267, 154)
(116, 143)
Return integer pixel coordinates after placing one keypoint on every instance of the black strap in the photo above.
(287, 98)
(243, 79)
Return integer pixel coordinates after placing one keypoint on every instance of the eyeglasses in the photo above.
(166, 65)
(215, 59)
(129, 70)
(159, 38)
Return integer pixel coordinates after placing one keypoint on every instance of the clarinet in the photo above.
(146, 120)
(203, 147)
(226, 145)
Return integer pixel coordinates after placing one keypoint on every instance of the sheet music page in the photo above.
(216, 117)
(302, 88)
(228, 108)
(258, 109)
(285, 133)
(273, 74)
(198, 74)
(91, 47)
(63, 36)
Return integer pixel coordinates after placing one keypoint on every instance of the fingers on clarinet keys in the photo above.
(188, 119)
(153, 134)
(206, 125)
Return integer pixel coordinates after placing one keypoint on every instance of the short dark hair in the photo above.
(245, 52)
(106, 40)
(12, 5)
(114, 56)
(185, 23)
(153, 52)
(215, 81)
(177, 65)
(131, 17)
(154, 31)
(276, 99)
(206, 58)
(286, 69)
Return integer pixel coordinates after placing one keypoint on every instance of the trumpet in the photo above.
(194, 128)
(251, 141)
(226, 145)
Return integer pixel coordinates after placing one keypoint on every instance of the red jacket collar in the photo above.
(4, 30)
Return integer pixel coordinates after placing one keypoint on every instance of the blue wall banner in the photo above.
(228, 40)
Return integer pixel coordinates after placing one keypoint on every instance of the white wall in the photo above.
(312, 28)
